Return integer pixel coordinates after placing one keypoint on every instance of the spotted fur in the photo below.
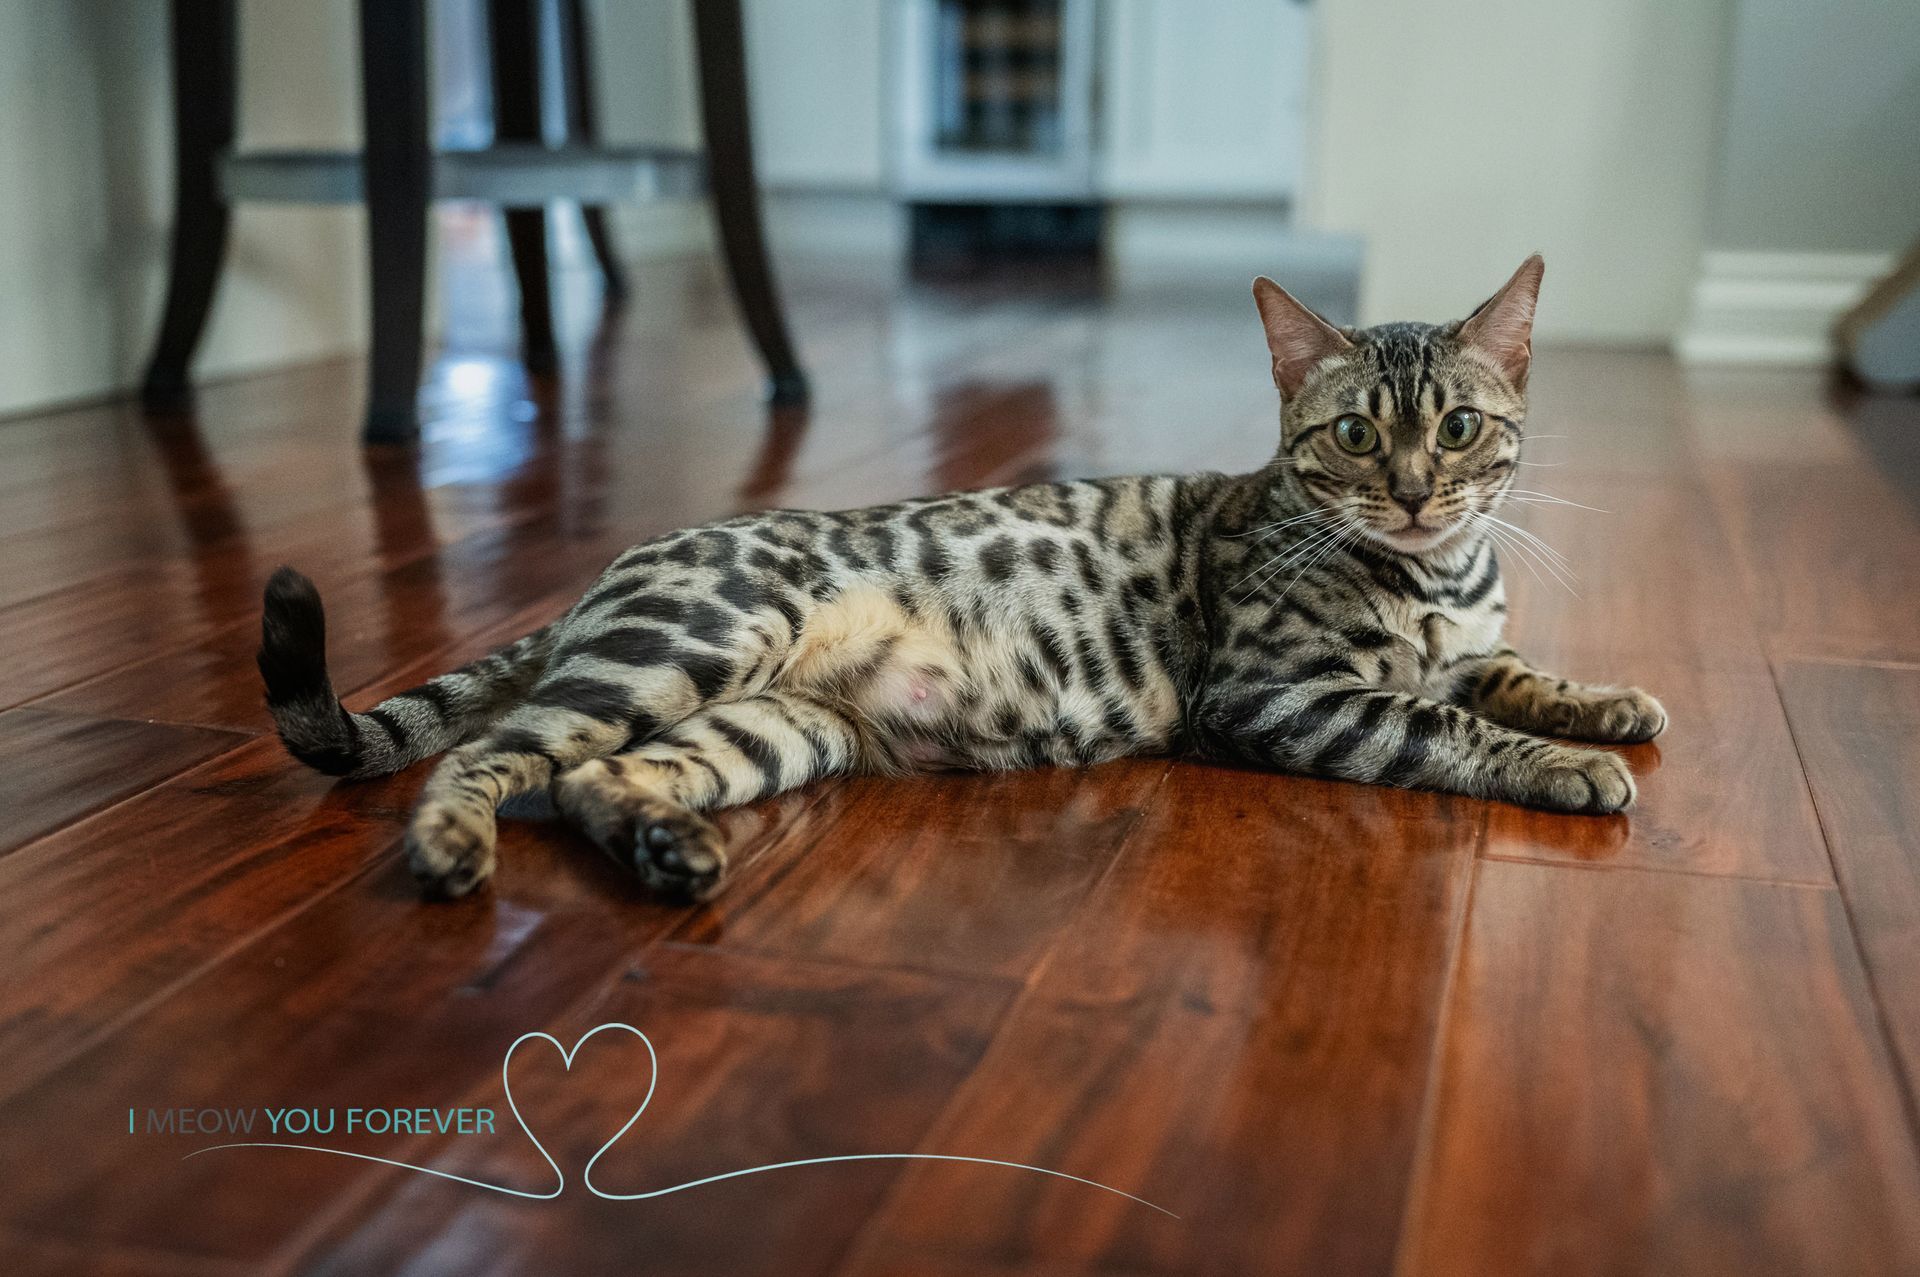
(1299, 617)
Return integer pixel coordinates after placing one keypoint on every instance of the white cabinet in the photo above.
(1203, 100)
(994, 107)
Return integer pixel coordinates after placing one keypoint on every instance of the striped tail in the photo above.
(401, 730)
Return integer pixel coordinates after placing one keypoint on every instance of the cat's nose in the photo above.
(1412, 499)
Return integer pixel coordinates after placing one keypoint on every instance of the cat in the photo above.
(1337, 612)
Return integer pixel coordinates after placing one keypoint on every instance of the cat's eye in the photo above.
(1459, 428)
(1355, 434)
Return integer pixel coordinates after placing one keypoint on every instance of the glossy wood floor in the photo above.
(1330, 1028)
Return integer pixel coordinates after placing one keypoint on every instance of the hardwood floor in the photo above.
(1328, 1028)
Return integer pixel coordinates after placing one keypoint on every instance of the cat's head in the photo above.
(1406, 431)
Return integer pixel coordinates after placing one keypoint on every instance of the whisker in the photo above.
(1529, 494)
(1278, 561)
(1500, 540)
(1560, 579)
(1532, 538)
(1298, 518)
(1319, 538)
(1307, 537)
(1355, 531)
(1555, 501)
(1530, 549)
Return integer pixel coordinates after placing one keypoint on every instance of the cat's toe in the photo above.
(1653, 718)
(1590, 782)
(1631, 718)
(1621, 718)
(678, 855)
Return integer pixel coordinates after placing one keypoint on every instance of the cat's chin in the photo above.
(1412, 540)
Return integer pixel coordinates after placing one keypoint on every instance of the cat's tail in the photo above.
(401, 730)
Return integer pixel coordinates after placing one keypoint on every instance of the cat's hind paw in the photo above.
(676, 852)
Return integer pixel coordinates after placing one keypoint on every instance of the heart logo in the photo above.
(567, 1056)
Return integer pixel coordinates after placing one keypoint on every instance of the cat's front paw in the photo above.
(1623, 718)
(1591, 782)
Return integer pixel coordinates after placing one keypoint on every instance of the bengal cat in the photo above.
(1337, 612)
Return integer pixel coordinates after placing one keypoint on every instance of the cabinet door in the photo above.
(815, 73)
(1203, 101)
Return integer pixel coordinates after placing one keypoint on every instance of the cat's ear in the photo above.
(1502, 328)
(1298, 338)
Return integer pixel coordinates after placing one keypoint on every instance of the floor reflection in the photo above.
(772, 466)
(1883, 423)
(206, 509)
(984, 434)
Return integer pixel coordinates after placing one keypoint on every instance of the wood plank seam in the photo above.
(81, 817)
(1577, 867)
(380, 863)
(1121, 850)
(152, 1259)
(1907, 1085)
(1415, 1199)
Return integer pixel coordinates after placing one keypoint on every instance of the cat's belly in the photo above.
(1008, 695)
(1073, 729)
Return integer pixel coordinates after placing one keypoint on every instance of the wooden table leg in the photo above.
(513, 31)
(736, 197)
(205, 86)
(398, 170)
(583, 110)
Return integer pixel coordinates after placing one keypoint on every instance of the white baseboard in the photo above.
(1773, 308)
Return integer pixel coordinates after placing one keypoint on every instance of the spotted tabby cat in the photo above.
(1337, 612)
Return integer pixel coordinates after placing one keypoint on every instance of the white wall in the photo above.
(644, 66)
(85, 195)
(1817, 188)
(1822, 149)
(1456, 139)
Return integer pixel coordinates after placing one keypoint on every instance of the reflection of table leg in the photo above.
(204, 504)
(403, 533)
(773, 464)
